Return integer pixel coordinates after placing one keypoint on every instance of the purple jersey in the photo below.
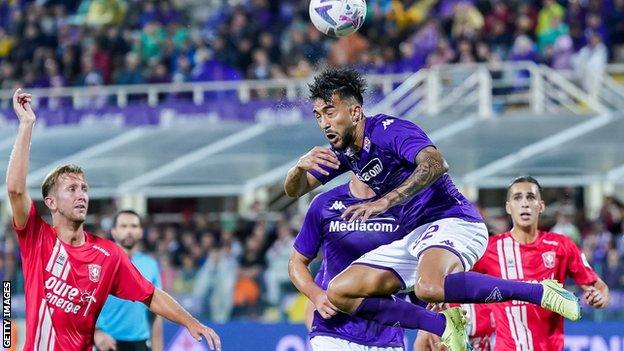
(387, 159)
(342, 243)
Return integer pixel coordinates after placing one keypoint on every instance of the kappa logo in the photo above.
(337, 206)
(386, 123)
(495, 296)
(549, 259)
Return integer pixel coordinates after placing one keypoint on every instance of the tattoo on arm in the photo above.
(430, 165)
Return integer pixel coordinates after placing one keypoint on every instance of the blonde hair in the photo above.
(50, 180)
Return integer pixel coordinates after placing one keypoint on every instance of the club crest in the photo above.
(549, 259)
(94, 272)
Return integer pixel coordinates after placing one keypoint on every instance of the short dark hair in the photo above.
(524, 179)
(345, 82)
(130, 212)
(49, 182)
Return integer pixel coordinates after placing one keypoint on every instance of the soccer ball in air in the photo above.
(337, 18)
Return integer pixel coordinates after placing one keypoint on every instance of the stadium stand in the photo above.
(177, 150)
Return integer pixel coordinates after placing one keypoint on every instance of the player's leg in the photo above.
(452, 249)
(328, 343)
(347, 290)
(364, 290)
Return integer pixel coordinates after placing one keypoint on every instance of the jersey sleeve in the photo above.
(308, 240)
(578, 268)
(403, 137)
(129, 283)
(333, 173)
(29, 236)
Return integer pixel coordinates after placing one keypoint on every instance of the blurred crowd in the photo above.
(53, 43)
(229, 267)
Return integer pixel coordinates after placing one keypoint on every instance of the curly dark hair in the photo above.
(345, 82)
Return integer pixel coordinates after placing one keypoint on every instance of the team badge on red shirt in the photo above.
(94, 272)
(549, 259)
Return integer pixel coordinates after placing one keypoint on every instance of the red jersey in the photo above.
(520, 325)
(66, 286)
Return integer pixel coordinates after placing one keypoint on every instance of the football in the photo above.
(337, 18)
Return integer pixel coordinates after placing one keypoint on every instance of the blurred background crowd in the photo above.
(98, 42)
(231, 266)
(227, 266)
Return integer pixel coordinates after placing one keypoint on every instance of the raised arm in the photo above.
(18, 162)
(298, 181)
(302, 279)
(430, 165)
(164, 305)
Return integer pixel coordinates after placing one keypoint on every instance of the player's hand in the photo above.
(316, 157)
(364, 211)
(437, 307)
(595, 298)
(426, 341)
(324, 307)
(103, 341)
(198, 330)
(21, 106)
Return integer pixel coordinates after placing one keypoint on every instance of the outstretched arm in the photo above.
(597, 294)
(18, 163)
(164, 305)
(302, 279)
(430, 165)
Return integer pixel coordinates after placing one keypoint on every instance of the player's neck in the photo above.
(70, 234)
(359, 136)
(524, 235)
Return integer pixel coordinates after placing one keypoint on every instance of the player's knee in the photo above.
(337, 294)
(429, 291)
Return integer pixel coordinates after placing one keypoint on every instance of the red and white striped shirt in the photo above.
(66, 286)
(522, 326)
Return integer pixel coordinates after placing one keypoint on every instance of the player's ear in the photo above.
(542, 206)
(50, 202)
(507, 208)
(356, 113)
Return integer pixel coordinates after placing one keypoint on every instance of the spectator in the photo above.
(614, 271)
(185, 278)
(550, 35)
(131, 74)
(106, 12)
(277, 257)
(565, 226)
(550, 13)
(590, 63)
(563, 51)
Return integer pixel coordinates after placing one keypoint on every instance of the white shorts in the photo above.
(329, 343)
(467, 240)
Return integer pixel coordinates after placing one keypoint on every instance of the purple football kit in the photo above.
(437, 216)
(387, 159)
(341, 243)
